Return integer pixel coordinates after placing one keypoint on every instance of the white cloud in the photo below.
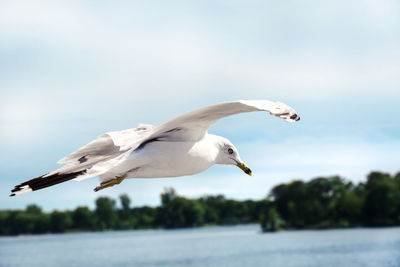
(131, 58)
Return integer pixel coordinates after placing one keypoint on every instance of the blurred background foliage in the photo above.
(324, 202)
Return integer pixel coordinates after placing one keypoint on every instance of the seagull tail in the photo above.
(43, 182)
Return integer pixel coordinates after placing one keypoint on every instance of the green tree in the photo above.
(22, 223)
(382, 200)
(4, 227)
(350, 207)
(60, 221)
(144, 217)
(325, 194)
(125, 221)
(83, 219)
(270, 220)
(318, 203)
(125, 202)
(291, 204)
(106, 213)
(178, 211)
(212, 206)
(39, 219)
(33, 209)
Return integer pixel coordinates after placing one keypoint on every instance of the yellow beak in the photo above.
(244, 167)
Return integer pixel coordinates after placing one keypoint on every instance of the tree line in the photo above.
(324, 202)
(334, 202)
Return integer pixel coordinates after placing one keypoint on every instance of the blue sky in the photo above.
(71, 70)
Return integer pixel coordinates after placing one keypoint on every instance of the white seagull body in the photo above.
(181, 146)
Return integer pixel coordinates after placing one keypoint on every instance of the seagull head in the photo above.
(229, 155)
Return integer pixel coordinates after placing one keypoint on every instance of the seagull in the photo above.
(179, 147)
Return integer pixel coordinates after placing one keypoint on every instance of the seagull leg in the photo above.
(110, 183)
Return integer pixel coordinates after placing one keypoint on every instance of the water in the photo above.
(209, 246)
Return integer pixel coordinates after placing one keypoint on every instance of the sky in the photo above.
(72, 70)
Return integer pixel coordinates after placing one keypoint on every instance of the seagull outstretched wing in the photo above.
(194, 124)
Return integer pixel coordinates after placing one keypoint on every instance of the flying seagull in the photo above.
(181, 146)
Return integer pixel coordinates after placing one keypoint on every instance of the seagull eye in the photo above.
(230, 151)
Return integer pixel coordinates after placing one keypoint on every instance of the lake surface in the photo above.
(208, 246)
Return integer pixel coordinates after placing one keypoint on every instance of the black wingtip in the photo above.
(16, 188)
(43, 182)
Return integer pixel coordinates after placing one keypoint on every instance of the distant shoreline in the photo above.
(321, 203)
(205, 227)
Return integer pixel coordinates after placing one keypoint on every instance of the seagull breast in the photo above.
(173, 158)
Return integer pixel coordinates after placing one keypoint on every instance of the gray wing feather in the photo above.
(194, 124)
(103, 145)
(108, 144)
(103, 153)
